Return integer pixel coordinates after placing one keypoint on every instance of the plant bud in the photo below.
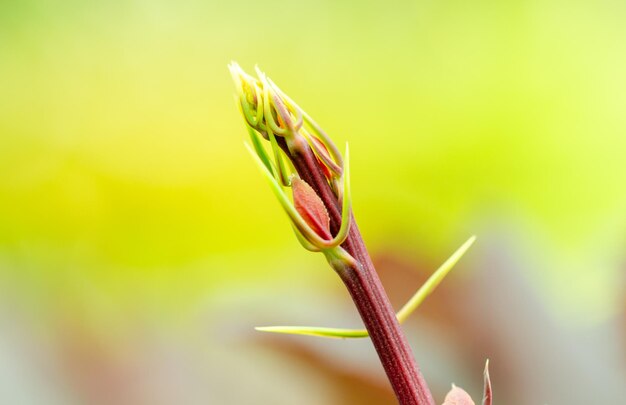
(310, 206)
(457, 396)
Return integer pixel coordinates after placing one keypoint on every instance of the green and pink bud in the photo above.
(293, 151)
(271, 115)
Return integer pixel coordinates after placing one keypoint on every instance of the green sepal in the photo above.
(260, 150)
(283, 175)
(267, 105)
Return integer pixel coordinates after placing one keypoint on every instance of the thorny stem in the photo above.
(367, 292)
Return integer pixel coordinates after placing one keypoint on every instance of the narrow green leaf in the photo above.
(269, 117)
(305, 243)
(425, 290)
(315, 331)
(283, 175)
(346, 203)
(260, 150)
(433, 281)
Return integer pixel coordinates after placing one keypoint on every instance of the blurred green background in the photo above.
(139, 245)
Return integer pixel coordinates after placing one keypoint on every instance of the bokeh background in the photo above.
(139, 245)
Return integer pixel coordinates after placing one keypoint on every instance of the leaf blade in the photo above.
(336, 333)
(343, 333)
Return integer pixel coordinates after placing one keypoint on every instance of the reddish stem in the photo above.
(367, 292)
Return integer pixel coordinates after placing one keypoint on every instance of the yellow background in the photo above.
(131, 213)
